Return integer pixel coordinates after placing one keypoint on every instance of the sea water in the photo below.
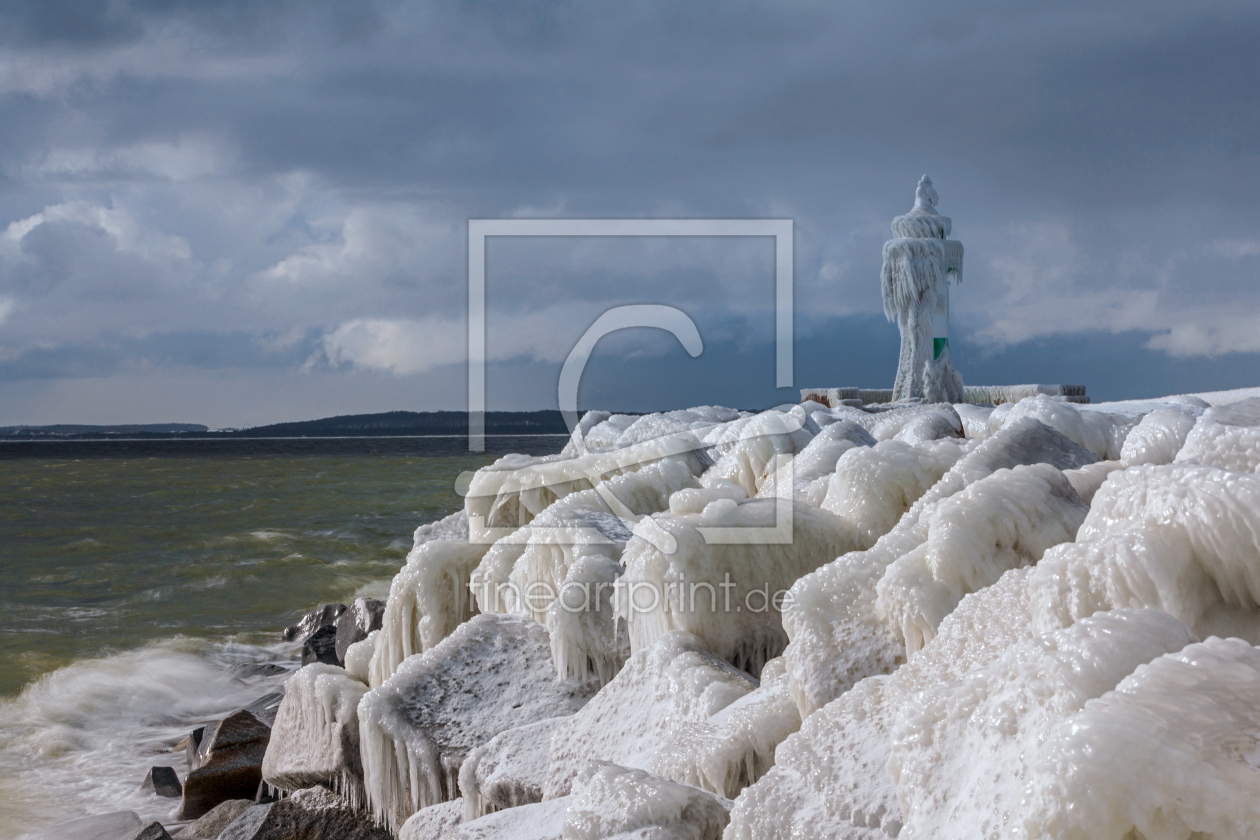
(144, 585)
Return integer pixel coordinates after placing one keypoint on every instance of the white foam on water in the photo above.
(79, 741)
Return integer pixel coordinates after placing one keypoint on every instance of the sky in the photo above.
(237, 213)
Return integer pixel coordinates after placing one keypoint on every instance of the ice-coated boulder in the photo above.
(428, 599)
(837, 636)
(360, 619)
(735, 747)
(725, 579)
(309, 624)
(543, 821)
(962, 752)
(1169, 753)
(808, 471)
(750, 450)
(619, 803)
(434, 822)
(492, 674)
(1226, 436)
(315, 739)
(671, 683)
(1158, 437)
(508, 771)
(1100, 432)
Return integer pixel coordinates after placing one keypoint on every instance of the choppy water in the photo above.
(137, 591)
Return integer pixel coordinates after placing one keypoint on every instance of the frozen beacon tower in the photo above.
(918, 265)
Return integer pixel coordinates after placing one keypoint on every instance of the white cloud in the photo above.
(189, 157)
(128, 234)
(401, 347)
(7, 304)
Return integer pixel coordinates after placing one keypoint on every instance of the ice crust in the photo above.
(960, 751)
(726, 593)
(674, 682)
(508, 771)
(991, 630)
(492, 674)
(735, 747)
(620, 803)
(837, 636)
(315, 737)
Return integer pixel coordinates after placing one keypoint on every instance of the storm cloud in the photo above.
(236, 213)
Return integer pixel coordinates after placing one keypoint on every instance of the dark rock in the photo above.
(364, 616)
(311, 814)
(231, 756)
(164, 782)
(259, 669)
(120, 825)
(210, 826)
(266, 707)
(321, 647)
(192, 747)
(152, 831)
(325, 616)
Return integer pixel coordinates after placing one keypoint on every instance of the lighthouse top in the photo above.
(923, 222)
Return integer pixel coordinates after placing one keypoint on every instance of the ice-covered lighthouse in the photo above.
(918, 267)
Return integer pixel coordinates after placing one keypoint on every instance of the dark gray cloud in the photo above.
(220, 190)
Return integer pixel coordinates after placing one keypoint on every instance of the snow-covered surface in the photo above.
(961, 750)
(735, 747)
(315, 737)
(993, 617)
(492, 674)
(609, 802)
(508, 771)
(542, 821)
(674, 682)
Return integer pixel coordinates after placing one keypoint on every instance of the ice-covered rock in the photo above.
(735, 747)
(434, 822)
(543, 821)
(1001, 522)
(507, 771)
(837, 638)
(975, 420)
(961, 751)
(1158, 437)
(492, 674)
(314, 812)
(363, 617)
(610, 802)
(722, 583)
(315, 739)
(873, 488)
(808, 471)
(359, 657)
(749, 451)
(1170, 753)
(509, 493)
(674, 682)
(1100, 432)
(1226, 436)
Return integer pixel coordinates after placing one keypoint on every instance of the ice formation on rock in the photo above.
(1226, 436)
(735, 747)
(507, 771)
(434, 822)
(1158, 437)
(750, 450)
(620, 803)
(674, 682)
(359, 657)
(809, 470)
(315, 737)
(915, 285)
(728, 593)
(428, 599)
(514, 489)
(961, 750)
(492, 674)
(873, 488)
(1001, 522)
(1171, 753)
(1098, 431)
(837, 638)
(542, 821)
